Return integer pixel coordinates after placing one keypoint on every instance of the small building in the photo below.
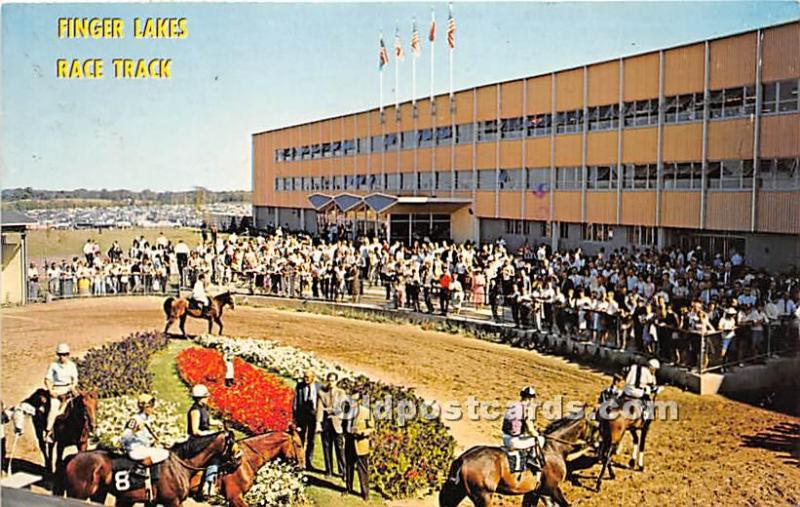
(13, 231)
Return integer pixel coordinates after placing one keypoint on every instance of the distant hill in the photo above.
(31, 198)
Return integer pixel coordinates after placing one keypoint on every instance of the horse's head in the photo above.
(226, 299)
(88, 400)
(231, 453)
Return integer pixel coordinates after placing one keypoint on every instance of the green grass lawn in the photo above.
(53, 244)
(321, 490)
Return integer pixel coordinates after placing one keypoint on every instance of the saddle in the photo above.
(127, 474)
(197, 305)
(520, 460)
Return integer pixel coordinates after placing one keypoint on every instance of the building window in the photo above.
(732, 102)
(569, 122)
(780, 97)
(598, 232)
(682, 175)
(316, 151)
(640, 113)
(568, 178)
(326, 183)
(305, 152)
(349, 147)
(539, 125)
(336, 148)
(376, 144)
(363, 145)
(407, 140)
(780, 174)
(512, 128)
(643, 236)
(487, 130)
(392, 181)
(278, 184)
(563, 230)
(510, 179)
(425, 138)
(604, 117)
(487, 179)
(730, 174)
(683, 108)
(538, 179)
(444, 136)
(640, 176)
(601, 177)
(465, 133)
(464, 180)
(390, 142)
(518, 227)
(444, 180)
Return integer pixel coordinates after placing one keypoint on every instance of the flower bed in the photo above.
(121, 368)
(257, 401)
(114, 413)
(410, 456)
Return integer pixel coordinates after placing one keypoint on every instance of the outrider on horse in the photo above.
(178, 309)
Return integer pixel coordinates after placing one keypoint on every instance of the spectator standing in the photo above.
(357, 430)
(304, 409)
(329, 417)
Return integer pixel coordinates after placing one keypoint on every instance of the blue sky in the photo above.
(251, 67)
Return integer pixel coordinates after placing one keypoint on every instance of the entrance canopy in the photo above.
(386, 203)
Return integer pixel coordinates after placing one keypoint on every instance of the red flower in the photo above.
(257, 400)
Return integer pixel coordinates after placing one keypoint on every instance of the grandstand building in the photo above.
(689, 145)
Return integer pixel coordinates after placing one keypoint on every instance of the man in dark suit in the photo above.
(329, 418)
(304, 410)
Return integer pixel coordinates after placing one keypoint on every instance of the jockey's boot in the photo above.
(48, 437)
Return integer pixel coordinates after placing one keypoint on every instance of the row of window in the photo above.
(777, 97)
(638, 235)
(773, 174)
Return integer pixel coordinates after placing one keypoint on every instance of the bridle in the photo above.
(229, 443)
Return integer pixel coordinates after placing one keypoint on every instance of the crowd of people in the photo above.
(653, 301)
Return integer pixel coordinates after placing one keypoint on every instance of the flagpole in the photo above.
(451, 26)
(414, 33)
(433, 24)
(451, 73)
(396, 83)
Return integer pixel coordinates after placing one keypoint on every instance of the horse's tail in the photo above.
(168, 306)
(453, 489)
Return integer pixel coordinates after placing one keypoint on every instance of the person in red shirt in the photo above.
(444, 292)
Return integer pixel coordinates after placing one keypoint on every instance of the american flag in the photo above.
(398, 46)
(451, 30)
(432, 34)
(416, 49)
(383, 55)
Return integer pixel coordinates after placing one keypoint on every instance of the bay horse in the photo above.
(481, 471)
(73, 427)
(615, 421)
(256, 452)
(178, 309)
(89, 475)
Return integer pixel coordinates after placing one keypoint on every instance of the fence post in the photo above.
(701, 359)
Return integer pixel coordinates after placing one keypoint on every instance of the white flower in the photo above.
(114, 413)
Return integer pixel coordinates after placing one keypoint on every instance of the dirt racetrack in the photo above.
(719, 452)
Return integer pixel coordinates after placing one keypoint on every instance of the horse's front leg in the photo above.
(210, 324)
(635, 450)
(558, 496)
(219, 323)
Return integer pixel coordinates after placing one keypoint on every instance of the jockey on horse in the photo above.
(641, 385)
(199, 295)
(61, 382)
(519, 429)
(139, 440)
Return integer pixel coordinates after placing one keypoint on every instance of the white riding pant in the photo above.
(521, 441)
(156, 454)
(56, 405)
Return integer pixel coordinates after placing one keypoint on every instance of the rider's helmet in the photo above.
(146, 399)
(62, 349)
(654, 364)
(199, 391)
(527, 392)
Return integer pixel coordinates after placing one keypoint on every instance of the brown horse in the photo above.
(256, 452)
(482, 471)
(90, 475)
(615, 421)
(73, 427)
(179, 309)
